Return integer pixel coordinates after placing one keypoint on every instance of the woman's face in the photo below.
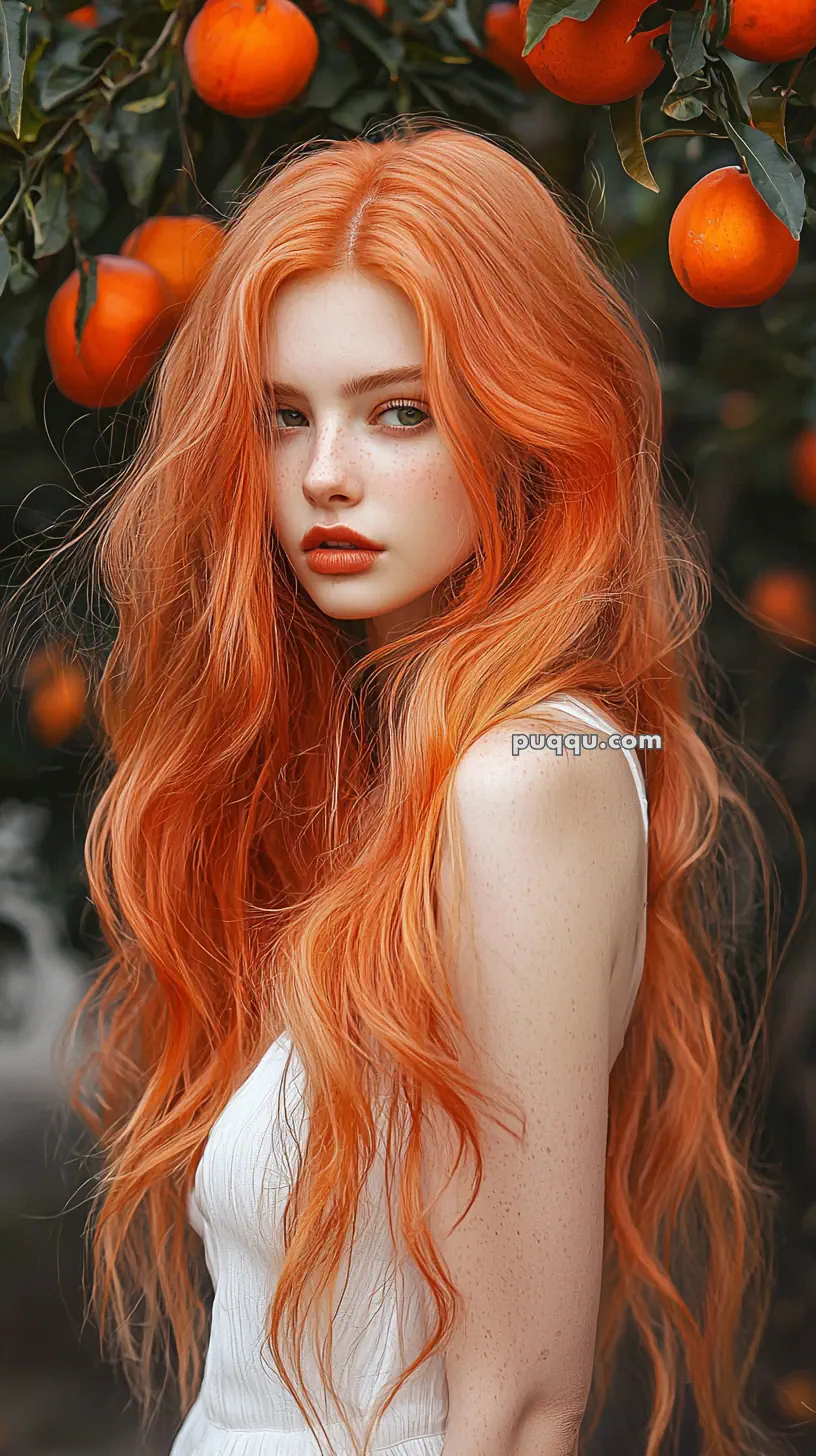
(354, 452)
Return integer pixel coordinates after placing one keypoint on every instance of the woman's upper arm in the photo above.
(549, 845)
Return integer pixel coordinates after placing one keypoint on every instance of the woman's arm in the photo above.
(551, 849)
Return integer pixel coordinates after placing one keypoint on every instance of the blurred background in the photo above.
(117, 126)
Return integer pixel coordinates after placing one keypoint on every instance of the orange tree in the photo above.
(685, 133)
(116, 106)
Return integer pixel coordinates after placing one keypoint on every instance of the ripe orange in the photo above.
(593, 61)
(727, 248)
(771, 30)
(58, 694)
(181, 249)
(803, 465)
(250, 57)
(504, 29)
(86, 17)
(376, 7)
(784, 598)
(129, 322)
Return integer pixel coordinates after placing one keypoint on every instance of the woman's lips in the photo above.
(340, 560)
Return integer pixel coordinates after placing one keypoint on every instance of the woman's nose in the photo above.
(327, 471)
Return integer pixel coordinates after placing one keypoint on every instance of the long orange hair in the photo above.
(263, 847)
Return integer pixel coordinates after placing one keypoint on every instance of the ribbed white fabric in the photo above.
(383, 1317)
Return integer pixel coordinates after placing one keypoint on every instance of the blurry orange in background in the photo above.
(85, 16)
(795, 1395)
(504, 29)
(58, 694)
(784, 598)
(803, 465)
(739, 408)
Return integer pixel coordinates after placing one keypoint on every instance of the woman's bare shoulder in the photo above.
(534, 756)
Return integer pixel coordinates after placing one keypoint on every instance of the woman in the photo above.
(357, 910)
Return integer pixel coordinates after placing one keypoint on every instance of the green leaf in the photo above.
(10, 179)
(774, 173)
(88, 198)
(22, 274)
(686, 43)
(87, 293)
(431, 95)
(466, 20)
(494, 96)
(472, 13)
(149, 103)
(545, 13)
(49, 215)
(748, 75)
(59, 82)
(335, 73)
(13, 47)
(355, 111)
(726, 99)
(386, 47)
(653, 15)
(722, 19)
(5, 261)
(682, 102)
(100, 130)
(625, 119)
(768, 115)
(142, 146)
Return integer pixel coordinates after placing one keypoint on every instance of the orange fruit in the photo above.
(129, 323)
(796, 1396)
(376, 7)
(58, 694)
(504, 30)
(803, 465)
(86, 17)
(738, 409)
(726, 247)
(250, 57)
(784, 598)
(771, 30)
(593, 61)
(181, 249)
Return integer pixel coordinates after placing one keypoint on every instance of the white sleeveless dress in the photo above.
(384, 1314)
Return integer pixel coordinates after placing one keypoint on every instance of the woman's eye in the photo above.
(408, 413)
(290, 410)
(409, 416)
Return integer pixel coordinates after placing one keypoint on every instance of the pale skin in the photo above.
(554, 860)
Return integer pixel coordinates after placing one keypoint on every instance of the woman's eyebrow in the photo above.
(360, 384)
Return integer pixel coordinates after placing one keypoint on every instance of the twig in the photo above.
(794, 73)
(29, 181)
(149, 57)
(145, 65)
